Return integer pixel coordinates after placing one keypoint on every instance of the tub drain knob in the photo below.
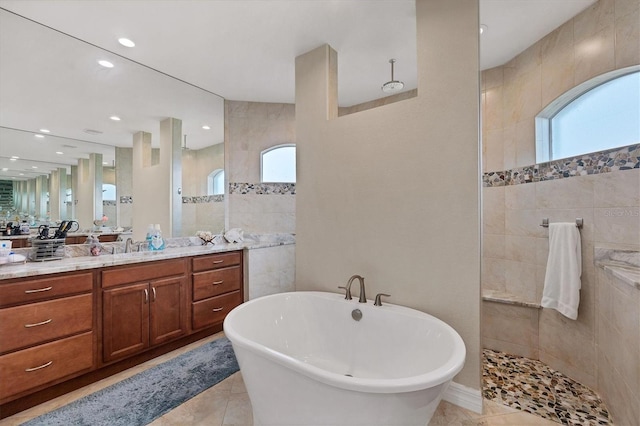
(356, 314)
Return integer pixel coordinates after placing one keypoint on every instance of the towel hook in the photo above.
(545, 222)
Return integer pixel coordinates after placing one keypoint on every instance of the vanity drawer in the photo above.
(27, 325)
(33, 290)
(42, 364)
(213, 310)
(215, 261)
(213, 283)
(154, 270)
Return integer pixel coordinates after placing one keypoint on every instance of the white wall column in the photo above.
(88, 194)
(57, 194)
(171, 140)
(124, 186)
(156, 179)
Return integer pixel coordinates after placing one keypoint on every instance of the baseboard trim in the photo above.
(464, 397)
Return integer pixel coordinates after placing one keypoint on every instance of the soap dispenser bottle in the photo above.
(157, 242)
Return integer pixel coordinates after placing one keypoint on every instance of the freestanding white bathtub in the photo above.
(305, 360)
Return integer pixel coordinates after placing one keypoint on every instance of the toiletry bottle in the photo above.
(150, 232)
(157, 242)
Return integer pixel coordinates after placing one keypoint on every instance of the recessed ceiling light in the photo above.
(206, 127)
(115, 118)
(4, 169)
(105, 64)
(39, 136)
(21, 174)
(483, 28)
(59, 152)
(14, 157)
(126, 42)
(34, 167)
(45, 130)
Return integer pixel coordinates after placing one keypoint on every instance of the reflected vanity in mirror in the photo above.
(67, 126)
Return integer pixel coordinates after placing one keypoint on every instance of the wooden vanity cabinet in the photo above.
(142, 306)
(47, 331)
(217, 287)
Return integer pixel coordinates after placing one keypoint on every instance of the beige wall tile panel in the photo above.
(620, 189)
(594, 19)
(511, 324)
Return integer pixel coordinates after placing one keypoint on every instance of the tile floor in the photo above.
(228, 404)
(532, 386)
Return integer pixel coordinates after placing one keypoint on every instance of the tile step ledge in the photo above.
(507, 299)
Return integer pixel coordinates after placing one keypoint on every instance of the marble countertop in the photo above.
(78, 263)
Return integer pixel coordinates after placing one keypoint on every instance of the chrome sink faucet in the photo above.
(127, 245)
(130, 244)
(363, 296)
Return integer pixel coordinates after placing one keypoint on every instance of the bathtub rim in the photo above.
(439, 376)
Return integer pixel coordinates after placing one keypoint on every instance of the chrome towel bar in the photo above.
(545, 222)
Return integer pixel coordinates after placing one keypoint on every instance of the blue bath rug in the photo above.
(140, 399)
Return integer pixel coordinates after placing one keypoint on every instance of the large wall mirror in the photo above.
(58, 105)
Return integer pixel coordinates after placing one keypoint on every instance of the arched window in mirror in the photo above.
(108, 192)
(600, 114)
(215, 182)
(278, 164)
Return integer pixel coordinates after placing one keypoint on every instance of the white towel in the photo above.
(564, 267)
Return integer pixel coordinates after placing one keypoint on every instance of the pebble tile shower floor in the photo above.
(532, 386)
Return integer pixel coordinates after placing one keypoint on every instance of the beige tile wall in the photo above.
(250, 128)
(618, 347)
(515, 248)
(604, 37)
(515, 252)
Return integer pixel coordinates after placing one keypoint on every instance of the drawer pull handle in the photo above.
(28, 370)
(218, 282)
(38, 290)
(146, 296)
(217, 309)
(37, 324)
(153, 290)
(215, 262)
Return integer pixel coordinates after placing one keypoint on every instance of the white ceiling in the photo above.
(238, 49)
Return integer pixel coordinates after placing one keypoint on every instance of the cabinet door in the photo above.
(125, 320)
(168, 316)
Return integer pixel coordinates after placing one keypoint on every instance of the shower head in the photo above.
(392, 85)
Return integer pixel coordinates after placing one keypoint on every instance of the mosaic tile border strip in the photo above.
(612, 160)
(201, 199)
(262, 188)
(109, 203)
(535, 388)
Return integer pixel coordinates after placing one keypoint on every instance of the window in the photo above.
(108, 192)
(600, 114)
(215, 182)
(278, 164)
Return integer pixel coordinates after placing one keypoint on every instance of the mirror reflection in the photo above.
(67, 126)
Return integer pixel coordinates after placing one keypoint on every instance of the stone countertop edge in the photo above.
(69, 264)
(620, 263)
(625, 273)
